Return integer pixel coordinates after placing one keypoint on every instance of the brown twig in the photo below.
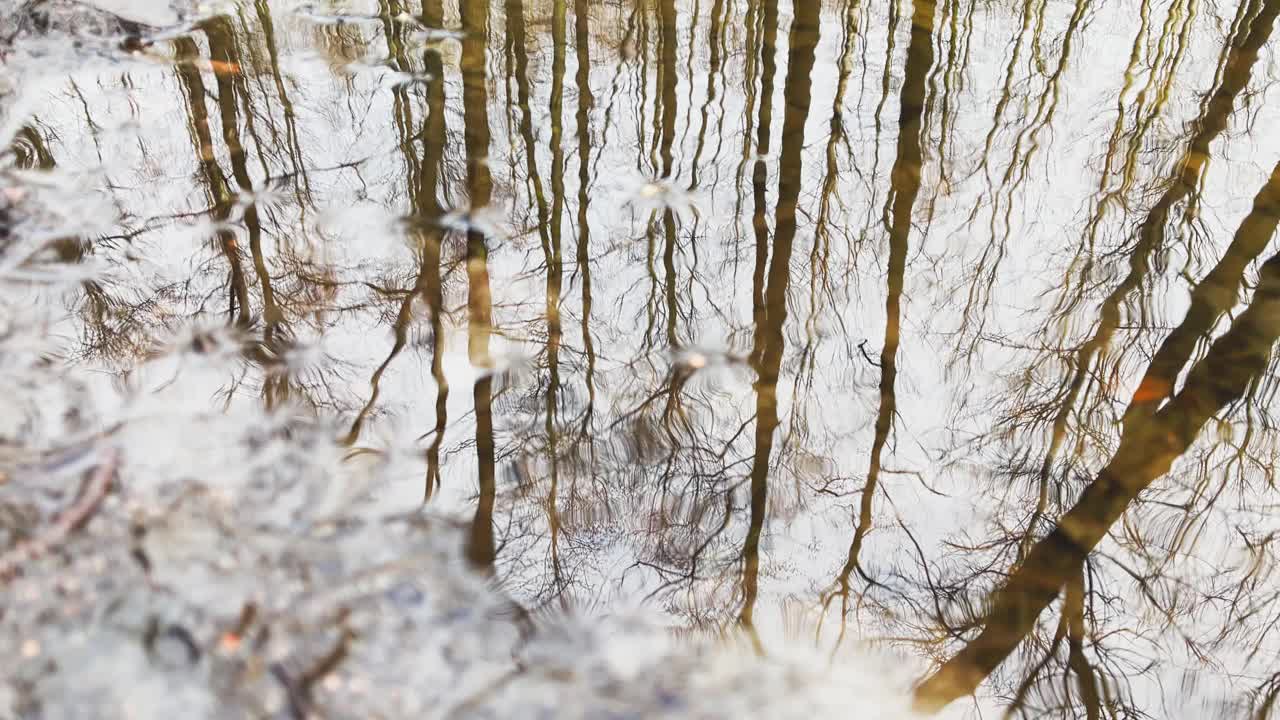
(71, 519)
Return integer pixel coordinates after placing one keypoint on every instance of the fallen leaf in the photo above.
(224, 68)
(229, 642)
(1152, 389)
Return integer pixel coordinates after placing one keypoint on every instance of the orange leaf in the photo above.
(224, 68)
(1152, 389)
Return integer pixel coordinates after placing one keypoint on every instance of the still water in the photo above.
(940, 326)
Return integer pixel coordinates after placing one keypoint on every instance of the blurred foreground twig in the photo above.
(72, 518)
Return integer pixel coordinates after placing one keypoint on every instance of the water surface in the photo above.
(945, 327)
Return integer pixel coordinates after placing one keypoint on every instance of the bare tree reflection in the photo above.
(905, 185)
(475, 23)
(802, 41)
(1152, 440)
(364, 187)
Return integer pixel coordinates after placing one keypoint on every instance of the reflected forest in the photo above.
(441, 358)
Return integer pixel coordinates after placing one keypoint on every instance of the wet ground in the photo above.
(945, 326)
